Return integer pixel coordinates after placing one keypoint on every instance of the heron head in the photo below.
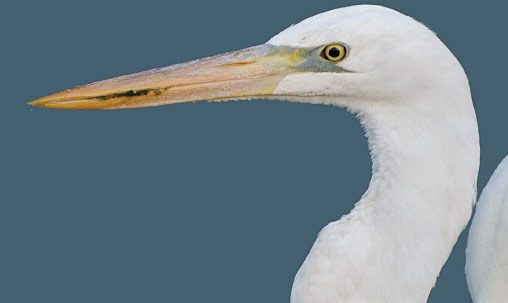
(347, 56)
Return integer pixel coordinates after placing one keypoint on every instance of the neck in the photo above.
(392, 245)
(421, 193)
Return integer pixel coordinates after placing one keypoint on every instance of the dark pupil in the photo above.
(334, 52)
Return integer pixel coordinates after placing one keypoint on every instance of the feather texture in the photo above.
(487, 246)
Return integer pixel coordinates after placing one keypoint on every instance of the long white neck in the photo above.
(392, 245)
(422, 191)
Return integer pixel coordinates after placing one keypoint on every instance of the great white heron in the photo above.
(413, 99)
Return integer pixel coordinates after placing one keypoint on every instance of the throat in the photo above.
(421, 194)
(392, 245)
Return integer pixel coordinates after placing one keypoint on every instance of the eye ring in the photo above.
(334, 52)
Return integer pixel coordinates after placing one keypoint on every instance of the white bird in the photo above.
(487, 245)
(413, 99)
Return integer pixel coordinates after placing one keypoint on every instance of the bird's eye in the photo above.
(334, 52)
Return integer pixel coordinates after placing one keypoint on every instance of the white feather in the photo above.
(413, 99)
(487, 246)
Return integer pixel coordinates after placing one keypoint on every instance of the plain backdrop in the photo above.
(194, 202)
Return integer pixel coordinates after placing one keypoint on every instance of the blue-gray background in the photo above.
(195, 202)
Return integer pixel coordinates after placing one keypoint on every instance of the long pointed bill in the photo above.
(250, 73)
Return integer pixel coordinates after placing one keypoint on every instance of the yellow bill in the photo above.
(250, 73)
